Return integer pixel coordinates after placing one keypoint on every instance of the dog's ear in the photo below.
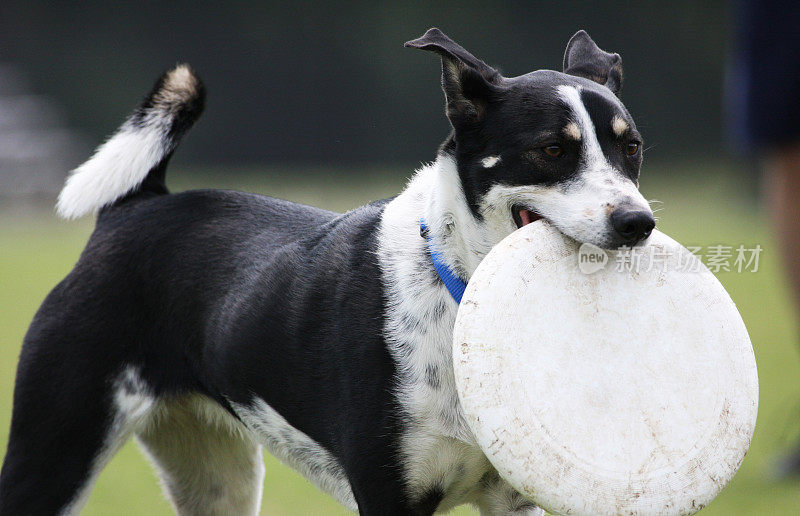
(585, 59)
(468, 82)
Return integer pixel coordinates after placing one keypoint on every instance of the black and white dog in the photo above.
(212, 323)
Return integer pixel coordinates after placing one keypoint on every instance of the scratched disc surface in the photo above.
(617, 385)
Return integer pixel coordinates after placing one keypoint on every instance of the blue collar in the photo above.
(454, 284)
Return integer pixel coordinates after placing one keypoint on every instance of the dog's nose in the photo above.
(632, 225)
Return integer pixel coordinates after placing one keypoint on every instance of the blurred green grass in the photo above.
(701, 205)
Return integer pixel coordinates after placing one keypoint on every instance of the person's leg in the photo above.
(782, 191)
(783, 202)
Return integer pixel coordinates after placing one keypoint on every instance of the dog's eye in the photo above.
(632, 148)
(554, 151)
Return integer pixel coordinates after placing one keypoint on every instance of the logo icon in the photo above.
(591, 258)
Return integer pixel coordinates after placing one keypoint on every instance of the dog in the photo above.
(210, 324)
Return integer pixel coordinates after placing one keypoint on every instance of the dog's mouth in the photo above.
(523, 216)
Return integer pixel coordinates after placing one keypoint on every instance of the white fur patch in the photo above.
(207, 460)
(297, 450)
(419, 327)
(490, 161)
(438, 449)
(117, 167)
(592, 153)
(461, 241)
(571, 130)
(132, 403)
(618, 125)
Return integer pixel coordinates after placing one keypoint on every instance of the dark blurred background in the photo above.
(330, 83)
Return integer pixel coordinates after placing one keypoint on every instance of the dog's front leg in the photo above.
(497, 498)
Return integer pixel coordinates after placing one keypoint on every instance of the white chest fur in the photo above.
(438, 448)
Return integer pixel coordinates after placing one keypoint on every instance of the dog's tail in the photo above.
(134, 159)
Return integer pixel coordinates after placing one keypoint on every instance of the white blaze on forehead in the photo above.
(490, 161)
(618, 125)
(571, 130)
(593, 154)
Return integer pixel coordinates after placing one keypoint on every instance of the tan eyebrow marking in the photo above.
(618, 125)
(572, 130)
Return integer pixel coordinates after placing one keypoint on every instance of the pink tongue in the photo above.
(527, 217)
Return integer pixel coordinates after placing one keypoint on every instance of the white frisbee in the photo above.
(624, 385)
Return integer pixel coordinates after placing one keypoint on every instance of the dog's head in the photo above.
(547, 144)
